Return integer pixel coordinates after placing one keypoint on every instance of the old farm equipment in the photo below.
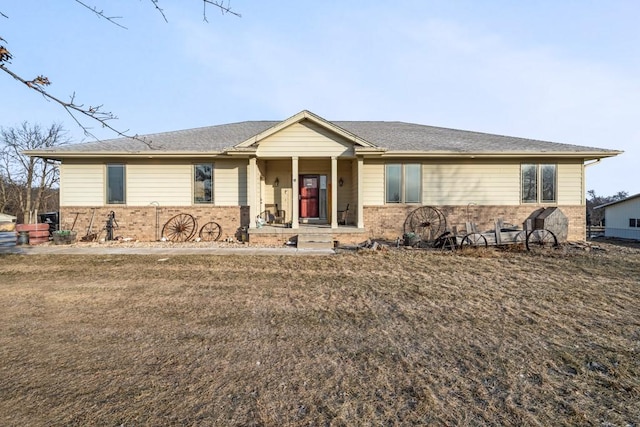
(183, 227)
(423, 226)
(543, 229)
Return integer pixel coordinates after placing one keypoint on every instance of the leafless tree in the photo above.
(26, 181)
(596, 217)
(95, 112)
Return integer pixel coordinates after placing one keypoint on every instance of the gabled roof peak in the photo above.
(299, 118)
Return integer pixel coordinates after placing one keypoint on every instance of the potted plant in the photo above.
(64, 237)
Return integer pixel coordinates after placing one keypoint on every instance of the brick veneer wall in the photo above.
(388, 221)
(140, 222)
(382, 222)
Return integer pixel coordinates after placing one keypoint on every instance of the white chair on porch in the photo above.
(343, 216)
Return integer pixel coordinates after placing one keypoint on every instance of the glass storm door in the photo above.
(309, 196)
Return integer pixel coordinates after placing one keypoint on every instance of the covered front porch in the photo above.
(285, 195)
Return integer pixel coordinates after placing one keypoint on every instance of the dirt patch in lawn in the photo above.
(394, 337)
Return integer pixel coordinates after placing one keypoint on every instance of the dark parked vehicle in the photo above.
(51, 218)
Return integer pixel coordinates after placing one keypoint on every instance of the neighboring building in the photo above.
(312, 169)
(622, 218)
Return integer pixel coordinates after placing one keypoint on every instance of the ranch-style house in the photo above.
(271, 180)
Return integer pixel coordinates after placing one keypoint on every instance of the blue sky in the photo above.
(564, 71)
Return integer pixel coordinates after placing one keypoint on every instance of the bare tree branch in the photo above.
(101, 14)
(157, 6)
(26, 180)
(220, 5)
(96, 113)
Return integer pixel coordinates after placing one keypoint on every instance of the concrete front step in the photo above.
(315, 241)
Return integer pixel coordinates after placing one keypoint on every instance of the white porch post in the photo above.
(360, 205)
(252, 198)
(334, 192)
(295, 194)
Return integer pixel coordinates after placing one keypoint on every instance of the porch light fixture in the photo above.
(276, 183)
(341, 182)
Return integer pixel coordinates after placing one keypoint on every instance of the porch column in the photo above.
(334, 192)
(252, 198)
(360, 204)
(295, 194)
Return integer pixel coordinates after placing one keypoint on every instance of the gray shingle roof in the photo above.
(394, 136)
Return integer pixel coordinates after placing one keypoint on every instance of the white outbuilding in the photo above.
(622, 218)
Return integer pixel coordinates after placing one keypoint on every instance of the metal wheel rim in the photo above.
(474, 240)
(541, 240)
(521, 238)
(426, 222)
(210, 232)
(180, 228)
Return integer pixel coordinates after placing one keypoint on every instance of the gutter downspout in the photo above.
(584, 175)
(584, 190)
(595, 162)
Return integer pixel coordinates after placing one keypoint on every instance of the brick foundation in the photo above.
(382, 222)
(145, 223)
(388, 221)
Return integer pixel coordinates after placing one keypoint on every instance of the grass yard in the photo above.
(384, 338)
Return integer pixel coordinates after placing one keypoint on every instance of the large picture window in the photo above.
(115, 184)
(203, 183)
(539, 183)
(403, 183)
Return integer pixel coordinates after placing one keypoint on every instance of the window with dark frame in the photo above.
(116, 184)
(403, 183)
(203, 183)
(634, 222)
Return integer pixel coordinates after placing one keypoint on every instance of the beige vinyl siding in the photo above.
(82, 184)
(169, 184)
(166, 184)
(373, 183)
(315, 167)
(282, 194)
(570, 184)
(304, 139)
(452, 183)
(463, 183)
(230, 182)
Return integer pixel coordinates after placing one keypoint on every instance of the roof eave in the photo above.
(60, 155)
(585, 155)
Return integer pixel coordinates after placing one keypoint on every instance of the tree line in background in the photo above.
(596, 217)
(29, 184)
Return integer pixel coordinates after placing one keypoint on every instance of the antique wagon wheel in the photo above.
(426, 222)
(473, 240)
(541, 239)
(180, 228)
(210, 232)
(520, 238)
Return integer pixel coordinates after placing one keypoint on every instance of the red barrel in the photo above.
(38, 233)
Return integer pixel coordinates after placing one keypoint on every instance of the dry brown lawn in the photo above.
(387, 338)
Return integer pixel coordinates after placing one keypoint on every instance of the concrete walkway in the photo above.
(164, 251)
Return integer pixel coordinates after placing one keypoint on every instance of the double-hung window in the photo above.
(539, 183)
(203, 183)
(116, 184)
(403, 182)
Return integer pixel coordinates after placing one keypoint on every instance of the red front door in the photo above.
(309, 196)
